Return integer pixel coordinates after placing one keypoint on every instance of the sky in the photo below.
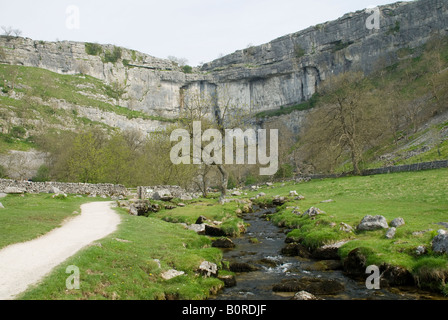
(198, 30)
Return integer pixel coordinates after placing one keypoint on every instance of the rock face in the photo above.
(369, 223)
(283, 72)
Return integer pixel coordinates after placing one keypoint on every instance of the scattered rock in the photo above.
(181, 204)
(228, 279)
(328, 252)
(201, 220)
(141, 208)
(242, 267)
(223, 243)
(397, 222)
(269, 184)
(300, 197)
(312, 212)
(369, 223)
(278, 201)
(1, 206)
(247, 208)
(238, 211)
(261, 194)
(236, 193)
(391, 233)
(157, 261)
(327, 201)
(170, 274)
(444, 224)
(122, 240)
(208, 269)
(317, 286)
(295, 249)
(293, 193)
(303, 295)
(421, 250)
(345, 227)
(440, 242)
(2, 195)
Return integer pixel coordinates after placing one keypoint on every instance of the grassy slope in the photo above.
(25, 218)
(75, 89)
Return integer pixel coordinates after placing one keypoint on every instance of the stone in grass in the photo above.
(1, 206)
(369, 223)
(170, 274)
(391, 233)
(208, 269)
(397, 222)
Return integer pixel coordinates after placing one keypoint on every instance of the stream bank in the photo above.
(264, 273)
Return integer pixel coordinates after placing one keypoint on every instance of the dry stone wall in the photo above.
(15, 186)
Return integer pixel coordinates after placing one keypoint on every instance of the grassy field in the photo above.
(122, 265)
(29, 216)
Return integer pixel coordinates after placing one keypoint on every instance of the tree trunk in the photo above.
(224, 181)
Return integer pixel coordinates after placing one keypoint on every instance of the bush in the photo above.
(42, 175)
(18, 132)
(187, 69)
(113, 56)
(93, 49)
(285, 171)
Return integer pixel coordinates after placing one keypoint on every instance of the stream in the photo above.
(274, 267)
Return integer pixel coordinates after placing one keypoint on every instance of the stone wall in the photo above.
(15, 186)
(155, 192)
(401, 168)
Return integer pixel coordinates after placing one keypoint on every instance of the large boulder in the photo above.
(395, 276)
(440, 243)
(369, 223)
(214, 231)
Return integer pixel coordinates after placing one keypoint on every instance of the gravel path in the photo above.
(24, 264)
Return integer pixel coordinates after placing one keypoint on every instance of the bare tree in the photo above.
(346, 122)
(7, 31)
(17, 32)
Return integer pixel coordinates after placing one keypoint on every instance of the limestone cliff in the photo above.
(282, 72)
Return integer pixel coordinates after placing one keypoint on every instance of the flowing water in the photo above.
(274, 267)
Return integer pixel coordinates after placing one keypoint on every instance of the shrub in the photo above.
(113, 56)
(18, 132)
(187, 69)
(285, 171)
(42, 175)
(93, 49)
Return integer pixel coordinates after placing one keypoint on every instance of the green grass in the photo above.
(25, 218)
(208, 208)
(420, 198)
(126, 270)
